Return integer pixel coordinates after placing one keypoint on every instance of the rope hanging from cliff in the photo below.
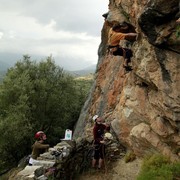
(105, 167)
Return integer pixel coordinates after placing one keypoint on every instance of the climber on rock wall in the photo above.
(117, 33)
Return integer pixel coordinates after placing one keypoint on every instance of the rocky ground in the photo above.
(114, 171)
(114, 168)
(118, 170)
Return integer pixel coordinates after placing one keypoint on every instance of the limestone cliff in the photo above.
(143, 106)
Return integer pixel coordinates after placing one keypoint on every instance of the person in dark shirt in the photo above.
(38, 147)
(99, 147)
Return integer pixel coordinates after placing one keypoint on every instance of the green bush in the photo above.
(129, 157)
(159, 167)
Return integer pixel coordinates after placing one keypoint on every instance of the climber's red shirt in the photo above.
(98, 132)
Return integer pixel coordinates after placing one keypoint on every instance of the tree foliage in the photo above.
(36, 96)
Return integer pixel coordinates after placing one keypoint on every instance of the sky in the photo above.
(69, 30)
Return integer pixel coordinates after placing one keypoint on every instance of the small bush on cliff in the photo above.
(159, 167)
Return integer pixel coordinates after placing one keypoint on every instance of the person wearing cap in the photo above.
(38, 147)
(117, 33)
(99, 148)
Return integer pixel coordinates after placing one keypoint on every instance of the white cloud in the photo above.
(1, 34)
(65, 29)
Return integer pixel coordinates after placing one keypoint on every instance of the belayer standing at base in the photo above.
(99, 147)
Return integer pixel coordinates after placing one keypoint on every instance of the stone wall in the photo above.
(67, 160)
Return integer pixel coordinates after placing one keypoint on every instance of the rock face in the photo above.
(143, 106)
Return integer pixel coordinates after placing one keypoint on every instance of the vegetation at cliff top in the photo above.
(36, 96)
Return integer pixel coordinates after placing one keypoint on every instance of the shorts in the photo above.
(99, 151)
(120, 52)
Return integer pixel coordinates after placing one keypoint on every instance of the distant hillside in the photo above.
(4, 66)
(8, 60)
(87, 77)
(84, 72)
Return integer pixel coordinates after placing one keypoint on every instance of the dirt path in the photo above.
(115, 171)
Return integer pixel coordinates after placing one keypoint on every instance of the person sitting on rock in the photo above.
(117, 33)
(38, 147)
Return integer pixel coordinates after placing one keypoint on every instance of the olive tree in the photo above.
(35, 96)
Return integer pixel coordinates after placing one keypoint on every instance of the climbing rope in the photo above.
(105, 167)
